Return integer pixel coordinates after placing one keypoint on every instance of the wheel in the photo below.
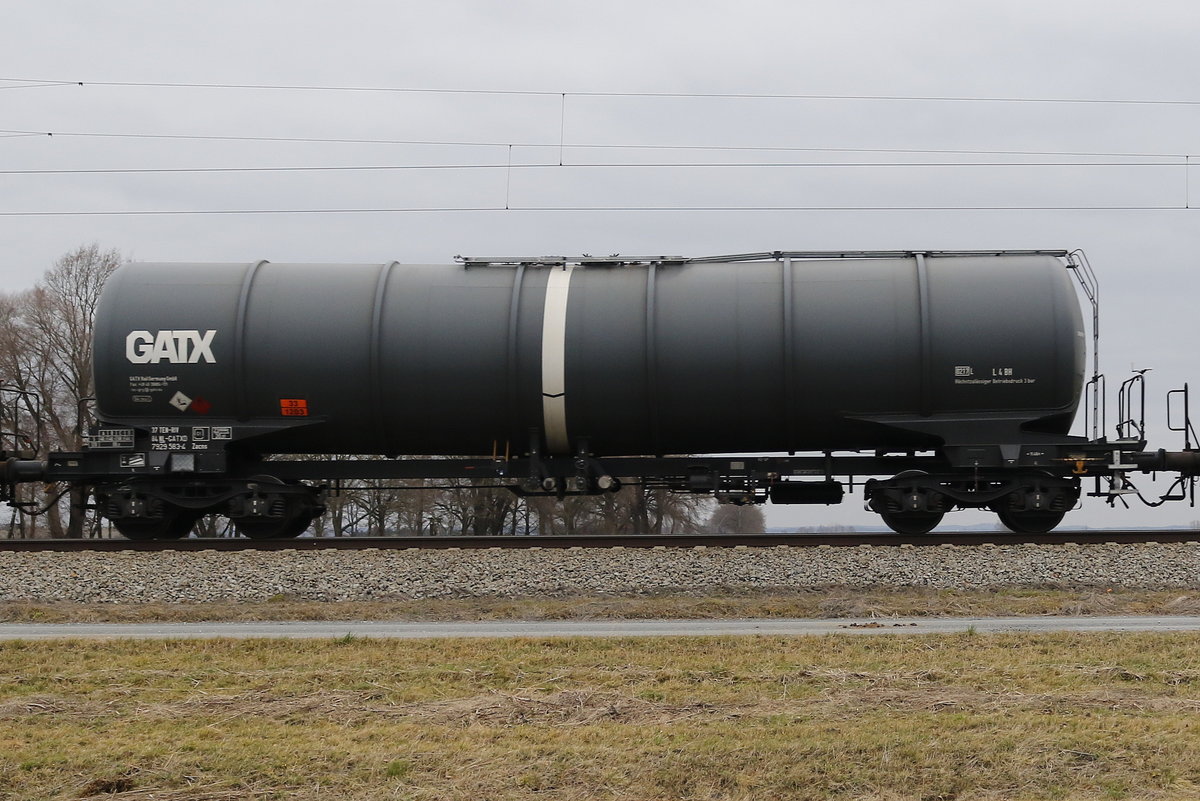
(175, 524)
(889, 504)
(284, 515)
(912, 523)
(1035, 521)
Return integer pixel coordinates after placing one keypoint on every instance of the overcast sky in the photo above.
(617, 92)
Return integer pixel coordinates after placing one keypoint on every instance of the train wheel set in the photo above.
(932, 381)
(263, 508)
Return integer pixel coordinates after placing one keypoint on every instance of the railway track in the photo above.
(845, 540)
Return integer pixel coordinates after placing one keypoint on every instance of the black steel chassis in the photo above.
(551, 475)
(153, 494)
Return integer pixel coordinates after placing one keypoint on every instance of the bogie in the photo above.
(914, 502)
(263, 508)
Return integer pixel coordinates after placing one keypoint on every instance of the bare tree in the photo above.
(634, 509)
(730, 518)
(46, 362)
(481, 511)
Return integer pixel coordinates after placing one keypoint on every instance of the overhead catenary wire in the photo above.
(597, 145)
(559, 93)
(1165, 160)
(590, 209)
(579, 165)
(37, 84)
(990, 158)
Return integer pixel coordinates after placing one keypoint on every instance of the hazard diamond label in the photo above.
(180, 401)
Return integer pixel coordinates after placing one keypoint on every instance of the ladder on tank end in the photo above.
(1131, 439)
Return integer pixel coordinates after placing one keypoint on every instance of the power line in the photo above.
(38, 85)
(599, 146)
(616, 94)
(299, 139)
(336, 168)
(587, 209)
(175, 212)
(587, 166)
(290, 87)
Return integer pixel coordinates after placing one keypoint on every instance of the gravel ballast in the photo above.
(341, 575)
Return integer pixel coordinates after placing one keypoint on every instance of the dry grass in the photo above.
(925, 717)
(830, 602)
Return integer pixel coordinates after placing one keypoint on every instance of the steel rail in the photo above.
(840, 540)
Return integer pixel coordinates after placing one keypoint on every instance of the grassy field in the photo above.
(967, 716)
(828, 602)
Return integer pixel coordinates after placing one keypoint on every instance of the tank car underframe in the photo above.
(1030, 487)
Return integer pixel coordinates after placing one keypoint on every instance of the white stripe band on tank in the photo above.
(554, 356)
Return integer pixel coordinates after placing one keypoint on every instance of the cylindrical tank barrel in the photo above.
(631, 359)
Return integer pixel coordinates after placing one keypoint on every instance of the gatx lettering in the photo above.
(173, 347)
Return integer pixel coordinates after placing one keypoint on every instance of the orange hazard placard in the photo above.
(293, 407)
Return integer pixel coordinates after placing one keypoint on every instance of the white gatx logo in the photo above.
(174, 347)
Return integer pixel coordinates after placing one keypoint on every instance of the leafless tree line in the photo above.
(46, 383)
(433, 508)
(46, 387)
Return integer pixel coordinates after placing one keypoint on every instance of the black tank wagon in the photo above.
(952, 377)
